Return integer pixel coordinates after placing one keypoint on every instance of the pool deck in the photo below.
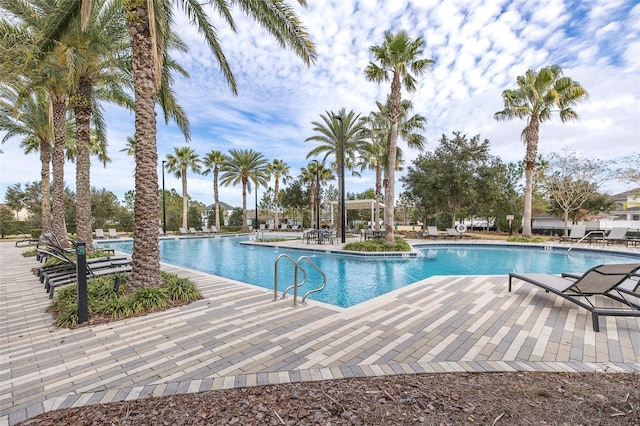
(237, 336)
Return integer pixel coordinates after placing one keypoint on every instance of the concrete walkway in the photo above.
(236, 336)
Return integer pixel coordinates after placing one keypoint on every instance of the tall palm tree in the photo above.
(278, 169)
(242, 167)
(29, 118)
(329, 135)
(397, 60)
(539, 93)
(212, 161)
(98, 69)
(185, 158)
(22, 27)
(315, 174)
(374, 154)
(148, 44)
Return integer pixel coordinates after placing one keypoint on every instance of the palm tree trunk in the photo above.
(185, 205)
(82, 109)
(146, 252)
(378, 191)
(530, 160)
(45, 161)
(59, 108)
(389, 195)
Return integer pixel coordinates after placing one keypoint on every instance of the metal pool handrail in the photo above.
(588, 234)
(296, 284)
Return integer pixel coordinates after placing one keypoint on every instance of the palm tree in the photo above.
(148, 44)
(185, 158)
(535, 99)
(329, 135)
(398, 61)
(98, 69)
(212, 161)
(29, 118)
(242, 166)
(278, 169)
(315, 174)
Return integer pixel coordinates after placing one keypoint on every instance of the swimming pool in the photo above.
(352, 280)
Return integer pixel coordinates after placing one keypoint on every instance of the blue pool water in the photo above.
(352, 280)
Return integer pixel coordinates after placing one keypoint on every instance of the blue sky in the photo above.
(480, 48)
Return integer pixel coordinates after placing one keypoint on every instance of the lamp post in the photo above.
(256, 225)
(341, 171)
(317, 200)
(164, 202)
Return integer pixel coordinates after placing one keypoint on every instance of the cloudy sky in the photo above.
(479, 48)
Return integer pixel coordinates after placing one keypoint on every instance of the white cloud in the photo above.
(480, 48)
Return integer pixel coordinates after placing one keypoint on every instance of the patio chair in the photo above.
(368, 234)
(453, 233)
(193, 231)
(617, 235)
(161, 232)
(284, 227)
(576, 233)
(602, 280)
(182, 231)
(214, 229)
(113, 233)
(99, 233)
(432, 232)
(205, 230)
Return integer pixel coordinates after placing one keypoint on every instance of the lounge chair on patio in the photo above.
(113, 233)
(205, 230)
(214, 229)
(602, 280)
(99, 233)
(432, 232)
(616, 235)
(183, 231)
(95, 268)
(576, 233)
(284, 227)
(192, 231)
(453, 233)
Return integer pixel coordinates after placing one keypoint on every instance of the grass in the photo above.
(379, 245)
(105, 299)
(517, 239)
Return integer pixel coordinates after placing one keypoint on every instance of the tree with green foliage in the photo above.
(184, 159)
(450, 177)
(278, 169)
(104, 208)
(396, 60)
(329, 134)
(570, 180)
(538, 95)
(212, 161)
(241, 167)
(148, 24)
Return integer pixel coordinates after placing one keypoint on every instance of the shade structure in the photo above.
(358, 205)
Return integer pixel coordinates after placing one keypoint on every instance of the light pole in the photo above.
(341, 171)
(164, 202)
(256, 189)
(317, 200)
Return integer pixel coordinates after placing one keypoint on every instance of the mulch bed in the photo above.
(523, 398)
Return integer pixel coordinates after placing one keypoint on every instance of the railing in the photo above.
(296, 284)
(585, 237)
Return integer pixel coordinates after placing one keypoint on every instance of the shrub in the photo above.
(379, 245)
(103, 299)
(518, 239)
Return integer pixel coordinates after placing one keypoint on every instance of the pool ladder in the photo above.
(589, 235)
(296, 284)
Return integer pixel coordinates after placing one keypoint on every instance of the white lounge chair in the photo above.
(577, 233)
(99, 233)
(193, 231)
(183, 231)
(113, 233)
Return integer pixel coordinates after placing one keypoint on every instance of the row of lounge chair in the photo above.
(192, 231)
(64, 270)
(112, 233)
(451, 233)
(616, 235)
